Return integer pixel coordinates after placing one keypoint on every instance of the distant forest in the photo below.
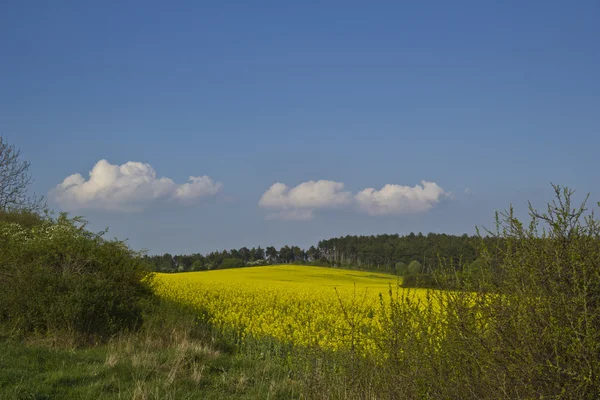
(385, 253)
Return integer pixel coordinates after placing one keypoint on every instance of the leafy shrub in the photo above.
(521, 322)
(23, 217)
(401, 268)
(257, 263)
(414, 268)
(419, 281)
(232, 263)
(57, 277)
(322, 262)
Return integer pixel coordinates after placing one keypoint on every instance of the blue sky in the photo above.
(489, 101)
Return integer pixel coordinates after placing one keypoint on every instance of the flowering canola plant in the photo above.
(301, 305)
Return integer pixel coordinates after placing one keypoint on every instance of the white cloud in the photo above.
(396, 199)
(127, 187)
(199, 186)
(298, 203)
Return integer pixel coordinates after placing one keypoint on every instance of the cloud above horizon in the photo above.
(300, 202)
(397, 199)
(128, 187)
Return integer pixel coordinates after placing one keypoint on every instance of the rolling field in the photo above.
(301, 305)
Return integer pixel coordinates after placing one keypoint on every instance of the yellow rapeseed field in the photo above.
(303, 305)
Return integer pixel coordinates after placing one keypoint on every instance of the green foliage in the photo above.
(257, 263)
(323, 262)
(522, 321)
(419, 281)
(58, 278)
(198, 266)
(401, 268)
(23, 217)
(476, 275)
(232, 263)
(546, 321)
(171, 357)
(414, 268)
(375, 253)
(381, 252)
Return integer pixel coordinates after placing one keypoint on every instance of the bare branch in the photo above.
(14, 181)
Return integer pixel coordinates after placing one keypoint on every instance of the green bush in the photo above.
(58, 278)
(419, 281)
(521, 322)
(23, 217)
(401, 268)
(414, 268)
(323, 262)
(232, 263)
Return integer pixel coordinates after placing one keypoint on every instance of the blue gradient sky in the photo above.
(497, 97)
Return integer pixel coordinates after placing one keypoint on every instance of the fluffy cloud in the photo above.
(396, 199)
(299, 203)
(127, 187)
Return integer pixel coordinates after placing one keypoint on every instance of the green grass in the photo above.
(170, 358)
(30, 372)
(36, 372)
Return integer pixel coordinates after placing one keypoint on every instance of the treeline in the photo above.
(234, 258)
(386, 253)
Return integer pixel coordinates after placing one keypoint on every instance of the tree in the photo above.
(260, 254)
(414, 268)
(401, 268)
(272, 254)
(298, 254)
(375, 252)
(197, 265)
(313, 253)
(285, 254)
(244, 254)
(14, 181)
(166, 263)
(232, 263)
(475, 271)
(184, 263)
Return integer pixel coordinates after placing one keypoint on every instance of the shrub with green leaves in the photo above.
(57, 277)
(414, 268)
(541, 324)
(401, 268)
(521, 322)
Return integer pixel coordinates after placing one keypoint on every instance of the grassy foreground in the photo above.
(172, 357)
(178, 355)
